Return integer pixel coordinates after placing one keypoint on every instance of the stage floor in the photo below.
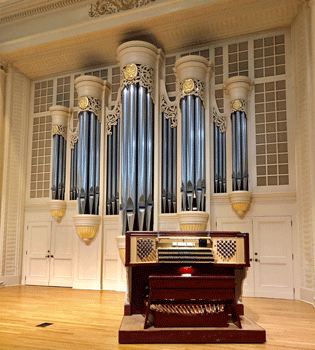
(131, 332)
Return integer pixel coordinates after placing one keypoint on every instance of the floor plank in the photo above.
(84, 319)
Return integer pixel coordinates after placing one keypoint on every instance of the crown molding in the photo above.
(35, 9)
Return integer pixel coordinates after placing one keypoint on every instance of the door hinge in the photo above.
(25, 278)
(292, 256)
(26, 252)
(27, 227)
(291, 223)
(216, 224)
(294, 292)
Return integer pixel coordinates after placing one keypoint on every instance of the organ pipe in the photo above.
(137, 135)
(91, 91)
(59, 115)
(238, 88)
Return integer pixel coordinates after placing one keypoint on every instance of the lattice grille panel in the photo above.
(43, 96)
(63, 91)
(238, 59)
(115, 82)
(218, 65)
(41, 153)
(271, 134)
(219, 97)
(269, 56)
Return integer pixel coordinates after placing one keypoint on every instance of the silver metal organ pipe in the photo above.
(54, 187)
(72, 175)
(97, 164)
(80, 155)
(60, 168)
(109, 174)
(64, 167)
(142, 160)
(203, 158)
(238, 146)
(224, 161)
(184, 153)
(220, 156)
(124, 155)
(234, 152)
(216, 158)
(164, 161)
(190, 152)
(198, 163)
(132, 158)
(174, 178)
(92, 157)
(169, 166)
(117, 167)
(150, 161)
(244, 152)
(114, 170)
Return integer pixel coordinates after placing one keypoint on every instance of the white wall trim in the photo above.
(11, 280)
(307, 295)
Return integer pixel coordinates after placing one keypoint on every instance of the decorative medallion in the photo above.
(192, 87)
(59, 130)
(219, 121)
(131, 71)
(91, 104)
(170, 111)
(83, 102)
(188, 86)
(144, 76)
(238, 105)
(107, 7)
(112, 118)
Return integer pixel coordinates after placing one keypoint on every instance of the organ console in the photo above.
(186, 281)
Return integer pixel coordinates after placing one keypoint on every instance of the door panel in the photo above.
(61, 255)
(274, 266)
(37, 264)
(245, 226)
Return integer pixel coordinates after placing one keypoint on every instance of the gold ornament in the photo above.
(131, 71)
(188, 86)
(55, 129)
(237, 105)
(83, 102)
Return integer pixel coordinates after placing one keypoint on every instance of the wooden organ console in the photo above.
(186, 282)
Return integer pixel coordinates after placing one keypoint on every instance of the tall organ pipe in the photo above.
(59, 116)
(137, 130)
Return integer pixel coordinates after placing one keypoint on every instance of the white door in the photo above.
(61, 255)
(49, 254)
(270, 246)
(37, 260)
(273, 257)
(244, 226)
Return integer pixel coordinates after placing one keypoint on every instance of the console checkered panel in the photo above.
(226, 248)
(146, 249)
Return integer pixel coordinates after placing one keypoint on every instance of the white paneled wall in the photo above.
(304, 155)
(14, 175)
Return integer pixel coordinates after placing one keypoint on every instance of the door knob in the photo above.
(51, 256)
(46, 256)
(250, 259)
(257, 260)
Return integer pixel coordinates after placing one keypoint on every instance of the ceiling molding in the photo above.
(38, 10)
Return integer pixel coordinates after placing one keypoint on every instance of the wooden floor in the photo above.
(91, 319)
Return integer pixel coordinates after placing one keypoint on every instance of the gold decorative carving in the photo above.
(238, 105)
(192, 87)
(188, 86)
(91, 104)
(170, 111)
(112, 118)
(59, 130)
(83, 102)
(219, 121)
(144, 76)
(131, 71)
(107, 7)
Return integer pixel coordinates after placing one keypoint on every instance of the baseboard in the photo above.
(10, 280)
(307, 295)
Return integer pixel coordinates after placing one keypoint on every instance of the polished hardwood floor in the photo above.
(83, 319)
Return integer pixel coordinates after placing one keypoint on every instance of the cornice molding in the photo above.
(38, 10)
